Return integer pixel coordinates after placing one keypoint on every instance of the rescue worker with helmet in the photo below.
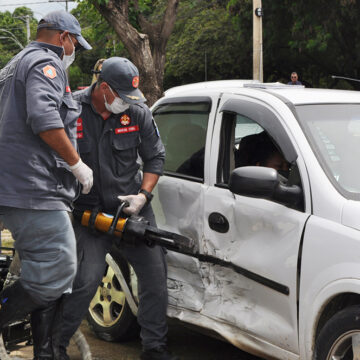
(40, 173)
(115, 129)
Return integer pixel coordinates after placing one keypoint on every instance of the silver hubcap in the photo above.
(346, 347)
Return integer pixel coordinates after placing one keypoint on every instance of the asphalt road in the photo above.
(184, 342)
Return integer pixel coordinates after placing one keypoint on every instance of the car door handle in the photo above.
(218, 222)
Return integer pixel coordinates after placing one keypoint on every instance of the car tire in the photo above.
(109, 315)
(340, 336)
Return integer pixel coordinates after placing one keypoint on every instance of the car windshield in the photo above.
(333, 131)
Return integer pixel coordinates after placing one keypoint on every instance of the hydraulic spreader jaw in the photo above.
(134, 229)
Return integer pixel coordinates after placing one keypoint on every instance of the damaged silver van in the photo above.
(281, 242)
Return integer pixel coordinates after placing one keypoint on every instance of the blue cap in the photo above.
(123, 76)
(62, 20)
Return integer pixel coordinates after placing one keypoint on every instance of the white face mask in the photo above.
(117, 106)
(68, 59)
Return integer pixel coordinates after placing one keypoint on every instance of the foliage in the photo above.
(317, 38)
(207, 44)
(102, 38)
(13, 32)
(145, 36)
(326, 34)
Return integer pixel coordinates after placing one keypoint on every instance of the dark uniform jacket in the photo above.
(34, 97)
(114, 149)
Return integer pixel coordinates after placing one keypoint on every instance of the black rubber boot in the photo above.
(158, 353)
(15, 304)
(63, 354)
(46, 327)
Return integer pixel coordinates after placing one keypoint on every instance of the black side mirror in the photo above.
(265, 183)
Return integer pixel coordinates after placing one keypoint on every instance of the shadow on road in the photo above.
(184, 342)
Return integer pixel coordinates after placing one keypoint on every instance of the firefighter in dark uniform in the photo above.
(39, 170)
(115, 129)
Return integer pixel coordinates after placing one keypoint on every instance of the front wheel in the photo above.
(109, 314)
(339, 339)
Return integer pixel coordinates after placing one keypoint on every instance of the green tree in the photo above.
(327, 33)
(13, 36)
(102, 38)
(206, 44)
(279, 57)
(144, 27)
(316, 38)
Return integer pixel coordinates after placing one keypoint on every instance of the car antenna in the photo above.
(345, 78)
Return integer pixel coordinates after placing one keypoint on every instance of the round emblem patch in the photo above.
(135, 81)
(125, 120)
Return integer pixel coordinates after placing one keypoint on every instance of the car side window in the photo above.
(246, 143)
(245, 131)
(183, 128)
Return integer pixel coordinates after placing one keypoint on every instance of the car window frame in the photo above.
(267, 120)
(183, 100)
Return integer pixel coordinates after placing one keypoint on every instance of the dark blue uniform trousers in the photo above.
(149, 265)
(45, 242)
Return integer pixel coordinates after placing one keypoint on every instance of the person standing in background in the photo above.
(294, 79)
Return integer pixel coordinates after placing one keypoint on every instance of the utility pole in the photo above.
(27, 22)
(27, 18)
(257, 41)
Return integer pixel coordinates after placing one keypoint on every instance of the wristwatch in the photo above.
(148, 195)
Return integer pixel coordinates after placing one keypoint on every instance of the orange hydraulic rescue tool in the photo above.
(134, 229)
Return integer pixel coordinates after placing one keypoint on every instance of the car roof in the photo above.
(296, 94)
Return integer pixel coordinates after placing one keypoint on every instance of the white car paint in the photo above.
(265, 238)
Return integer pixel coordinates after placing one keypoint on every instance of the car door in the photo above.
(260, 238)
(178, 203)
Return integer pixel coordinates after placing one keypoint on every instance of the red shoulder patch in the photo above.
(49, 71)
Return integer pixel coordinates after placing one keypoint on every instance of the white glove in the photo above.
(136, 203)
(84, 174)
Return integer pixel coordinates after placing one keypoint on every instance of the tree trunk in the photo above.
(146, 49)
